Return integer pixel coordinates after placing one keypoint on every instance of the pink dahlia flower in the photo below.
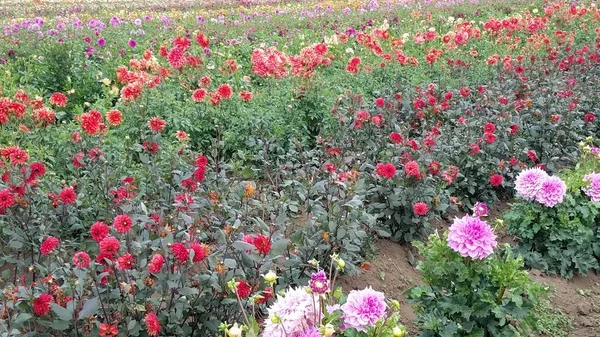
(593, 188)
(297, 311)
(363, 309)
(529, 181)
(552, 191)
(472, 237)
(480, 209)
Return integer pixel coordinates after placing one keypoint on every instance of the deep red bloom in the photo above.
(434, 167)
(125, 262)
(489, 128)
(386, 170)
(49, 245)
(99, 231)
(532, 156)
(7, 199)
(81, 260)
(109, 246)
(152, 324)
(122, 223)
(412, 169)
(114, 117)
(224, 91)
(490, 138)
(156, 124)
(58, 99)
(180, 252)
(199, 95)
(265, 296)
(41, 304)
(420, 208)
(262, 244)
(245, 96)
(473, 149)
(37, 170)
(496, 180)
(199, 174)
(202, 40)
(379, 102)
(589, 118)
(67, 195)
(243, 289)
(465, 92)
(201, 160)
(200, 252)
(514, 129)
(156, 263)
(395, 138)
(78, 160)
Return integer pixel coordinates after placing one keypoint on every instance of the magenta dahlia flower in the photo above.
(529, 181)
(319, 284)
(480, 209)
(552, 191)
(363, 309)
(593, 188)
(472, 237)
(294, 312)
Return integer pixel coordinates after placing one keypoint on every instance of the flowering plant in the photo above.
(563, 239)
(321, 309)
(471, 289)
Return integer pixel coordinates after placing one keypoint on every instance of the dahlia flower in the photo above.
(295, 312)
(552, 191)
(363, 309)
(472, 237)
(529, 181)
(592, 190)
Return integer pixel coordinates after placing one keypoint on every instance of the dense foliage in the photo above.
(157, 164)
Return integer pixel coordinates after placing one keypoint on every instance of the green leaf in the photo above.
(61, 312)
(89, 308)
(242, 246)
(21, 318)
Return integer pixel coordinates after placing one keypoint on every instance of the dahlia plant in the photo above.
(556, 221)
(321, 309)
(471, 288)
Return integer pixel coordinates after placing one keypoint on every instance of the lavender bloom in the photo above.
(363, 309)
(592, 190)
(552, 191)
(529, 182)
(471, 237)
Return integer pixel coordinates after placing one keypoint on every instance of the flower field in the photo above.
(259, 167)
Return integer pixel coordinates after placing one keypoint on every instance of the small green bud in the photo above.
(275, 319)
(341, 264)
(395, 304)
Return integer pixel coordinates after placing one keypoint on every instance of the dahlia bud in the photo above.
(581, 144)
(341, 264)
(399, 331)
(587, 149)
(270, 277)
(327, 330)
(232, 285)
(275, 319)
(589, 139)
(235, 331)
(395, 304)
